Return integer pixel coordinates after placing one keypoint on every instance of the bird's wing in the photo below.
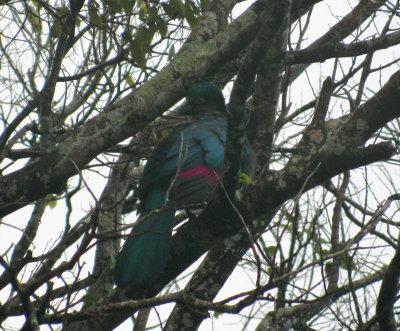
(198, 144)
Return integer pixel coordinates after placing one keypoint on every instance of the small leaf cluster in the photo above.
(150, 17)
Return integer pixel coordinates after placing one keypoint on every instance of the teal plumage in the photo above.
(186, 165)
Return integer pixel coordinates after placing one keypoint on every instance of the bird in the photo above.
(183, 170)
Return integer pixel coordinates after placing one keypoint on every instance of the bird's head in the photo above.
(205, 97)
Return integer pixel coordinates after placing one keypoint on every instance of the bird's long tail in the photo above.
(144, 254)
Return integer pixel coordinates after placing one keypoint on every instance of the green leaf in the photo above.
(34, 19)
(346, 262)
(149, 34)
(191, 6)
(169, 10)
(324, 241)
(51, 201)
(55, 29)
(127, 35)
(178, 8)
(138, 53)
(130, 81)
(94, 15)
(325, 252)
(63, 13)
(90, 299)
(142, 4)
(143, 10)
(113, 5)
(204, 5)
(244, 178)
(142, 15)
(37, 4)
(144, 35)
(162, 27)
(151, 15)
(224, 24)
(191, 13)
(112, 262)
(126, 5)
(271, 250)
(192, 21)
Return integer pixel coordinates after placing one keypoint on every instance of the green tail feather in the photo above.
(144, 254)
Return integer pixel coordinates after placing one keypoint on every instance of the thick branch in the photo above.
(276, 19)
(329, 51)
